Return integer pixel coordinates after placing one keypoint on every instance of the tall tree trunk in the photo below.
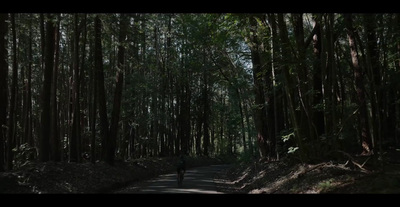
(42, 40)
(329, 80)
(93, 114)
(199, 128)
(289, 86)
(302, 80)
(3, 86)
(306, 123)
(74, 155)
(267, 74)
(373, 66)
(55, 149)
(366, 141)
(98, 59)
(277, 101)
(13, 100)
(206, 109)
(28, 119)
(186, 117)
(318, 113)
(260, 109)
(44, 141)
(393, 93)
(243, 129)
(83, 142)
(118, 90)
(248, 126)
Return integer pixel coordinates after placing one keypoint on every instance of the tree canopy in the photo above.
(108, 86)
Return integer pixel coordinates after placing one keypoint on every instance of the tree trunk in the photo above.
(289, 86)
(44, 142)
(118, 91)
(364, 133)
(373, 66)
(260, 109)
(302, 80)
(13, 100)
(83, 141)
(318, 113)
(265, 49)
(42, 40)
(98, 59)
(277, 94)
(243, 130)
(74, 155)
(28, 119)
(93, 114)
(330, 83)
(206, 109)
(55, 154)
(3, 86)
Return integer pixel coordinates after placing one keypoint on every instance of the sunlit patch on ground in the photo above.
(328, 177)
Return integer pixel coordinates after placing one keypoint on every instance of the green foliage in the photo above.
(173, 58)
(286, 135)
(326, 185)
(292, 150)
(245, 157)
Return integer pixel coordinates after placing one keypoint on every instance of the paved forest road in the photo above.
(199, 180)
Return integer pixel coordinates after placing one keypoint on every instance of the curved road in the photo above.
(199, 180)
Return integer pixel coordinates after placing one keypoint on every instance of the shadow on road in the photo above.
(198, 180)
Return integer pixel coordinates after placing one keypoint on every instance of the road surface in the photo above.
(199, 180)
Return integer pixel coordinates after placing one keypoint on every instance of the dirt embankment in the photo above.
(64, 177)
(359, 175)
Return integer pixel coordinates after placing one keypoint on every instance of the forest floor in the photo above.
(356, 175)
(352, 176)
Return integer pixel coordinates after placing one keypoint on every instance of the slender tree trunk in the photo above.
(28, 120)
(366, 142)
(187, 123)
(98, 59)
(93, 116)
(206, 110)
(54, 129)
(394, 92)
(248, 127)
(243, 130)
(42, 40)
(331, 83)
(302, 80)
(83, 141)
(74, 155)
(374, 69)
(222, 131)
(24, 85)
(3, 86)
(318, 113)
(277, 101)
(13, 100)
(289, 86)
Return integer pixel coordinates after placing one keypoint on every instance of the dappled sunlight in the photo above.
(201, 191)
(306, 179)
(275, 185)
(244, 175)
(198, 181)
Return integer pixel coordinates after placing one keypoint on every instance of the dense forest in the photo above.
(82, 87)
